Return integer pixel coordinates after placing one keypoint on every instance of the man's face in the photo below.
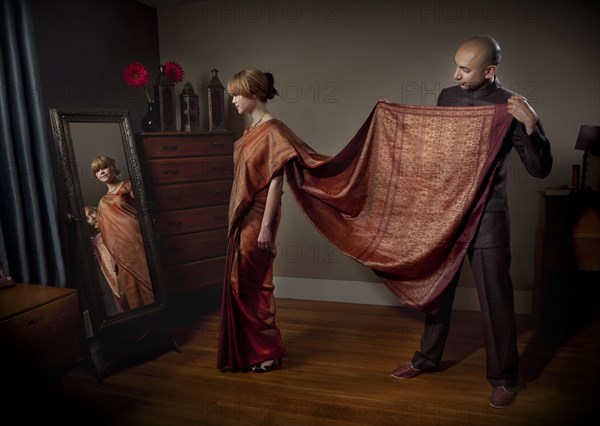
(470, 73)
(91, 216)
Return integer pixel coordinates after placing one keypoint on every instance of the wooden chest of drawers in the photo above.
(189, 178)
(40, 331)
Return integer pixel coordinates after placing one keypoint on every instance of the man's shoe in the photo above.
(502, 397)
(406, 371)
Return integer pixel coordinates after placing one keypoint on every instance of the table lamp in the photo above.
(587, 141)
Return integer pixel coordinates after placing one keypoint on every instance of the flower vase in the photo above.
(149, 123)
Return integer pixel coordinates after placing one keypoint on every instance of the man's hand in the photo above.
(519, 108)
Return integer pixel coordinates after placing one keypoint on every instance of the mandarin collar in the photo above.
(486, 91)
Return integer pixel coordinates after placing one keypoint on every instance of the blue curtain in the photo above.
(30, 246)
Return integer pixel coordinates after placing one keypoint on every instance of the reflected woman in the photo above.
(118, 223)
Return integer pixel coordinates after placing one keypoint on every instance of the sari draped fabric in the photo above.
(107, 263)
(120, 229)
(403, 198)
(108, 266)
(248, 331)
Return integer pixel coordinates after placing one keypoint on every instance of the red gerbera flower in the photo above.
(136, 75)
(174, 71)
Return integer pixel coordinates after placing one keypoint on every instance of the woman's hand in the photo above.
(265, 236)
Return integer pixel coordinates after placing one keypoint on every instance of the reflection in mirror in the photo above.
(107, 264)
(119, 238)
(115, 231)
(108, 214)
(110, 209)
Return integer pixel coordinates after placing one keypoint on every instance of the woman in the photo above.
(249, 339)
(118, 224)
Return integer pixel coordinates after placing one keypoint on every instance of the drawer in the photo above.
(191, 169)
(192, 145)
(192, 220)
(45, 338)
(189, 247)
(195, 275)
(182, 196)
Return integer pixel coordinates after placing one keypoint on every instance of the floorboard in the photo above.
(337, 373)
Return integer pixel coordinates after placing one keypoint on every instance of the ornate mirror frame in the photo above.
(101, 321)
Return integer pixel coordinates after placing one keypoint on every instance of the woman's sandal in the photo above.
(261, 368)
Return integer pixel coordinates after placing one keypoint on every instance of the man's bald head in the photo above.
(476, 61)
(487, 48)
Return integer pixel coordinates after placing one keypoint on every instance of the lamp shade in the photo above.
(589, 139)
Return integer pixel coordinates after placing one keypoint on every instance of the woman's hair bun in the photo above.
(271, 91)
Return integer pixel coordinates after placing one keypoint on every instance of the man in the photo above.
(476, 61)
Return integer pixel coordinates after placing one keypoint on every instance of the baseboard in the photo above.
(373, 293)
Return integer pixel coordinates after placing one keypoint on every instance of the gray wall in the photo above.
(83, 47)
(334, 60)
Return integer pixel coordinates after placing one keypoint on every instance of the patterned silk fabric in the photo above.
(122, 237)
(405, 196)
(248, 333)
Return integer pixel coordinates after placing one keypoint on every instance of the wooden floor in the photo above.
(336, 373)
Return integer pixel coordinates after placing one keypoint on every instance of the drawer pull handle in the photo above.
(34, 320)
(217, 144)
(218, 167)
(175, 223)
(170, 172)
(170, 147)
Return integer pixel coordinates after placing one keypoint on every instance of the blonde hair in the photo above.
(252, 81)
(103, 162)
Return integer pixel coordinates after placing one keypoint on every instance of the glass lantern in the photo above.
(216, 104)
(189, 109)
(164, 99)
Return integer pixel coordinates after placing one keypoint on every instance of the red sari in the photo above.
(120, 229)
(404, 198)
(108, 266)
(248, 331)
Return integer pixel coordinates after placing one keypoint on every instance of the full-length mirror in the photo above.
(109, 221)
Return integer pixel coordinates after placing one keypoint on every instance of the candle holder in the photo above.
(216, 104)
(189, 109)
(164, 99)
